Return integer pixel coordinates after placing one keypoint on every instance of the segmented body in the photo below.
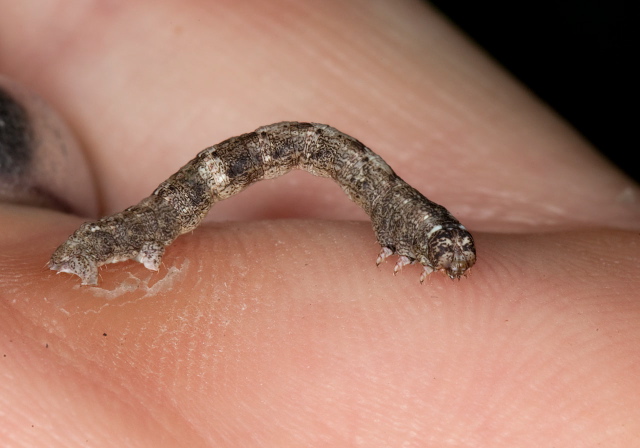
(405, 222)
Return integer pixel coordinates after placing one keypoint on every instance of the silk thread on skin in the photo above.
(405, 222)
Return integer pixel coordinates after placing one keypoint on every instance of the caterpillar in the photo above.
(405, 222)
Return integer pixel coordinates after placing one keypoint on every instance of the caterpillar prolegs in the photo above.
(405, 222)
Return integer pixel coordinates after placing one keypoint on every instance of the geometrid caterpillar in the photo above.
(405, 222)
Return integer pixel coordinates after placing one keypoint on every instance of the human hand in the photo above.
(283, 332)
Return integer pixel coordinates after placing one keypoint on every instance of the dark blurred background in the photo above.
(575, 55)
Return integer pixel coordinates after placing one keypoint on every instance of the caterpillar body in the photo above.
(405, 222)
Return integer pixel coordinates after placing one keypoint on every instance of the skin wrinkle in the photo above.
(405, 222)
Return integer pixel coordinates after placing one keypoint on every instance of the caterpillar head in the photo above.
(450, 249)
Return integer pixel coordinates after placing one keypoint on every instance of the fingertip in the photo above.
(41, 163)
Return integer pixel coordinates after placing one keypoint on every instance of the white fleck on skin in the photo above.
(404, 221)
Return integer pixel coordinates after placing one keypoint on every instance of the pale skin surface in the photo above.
(284, 333)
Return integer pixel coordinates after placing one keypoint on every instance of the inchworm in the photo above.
(405, 222)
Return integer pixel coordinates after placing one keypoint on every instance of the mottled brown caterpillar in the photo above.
(405, 222)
